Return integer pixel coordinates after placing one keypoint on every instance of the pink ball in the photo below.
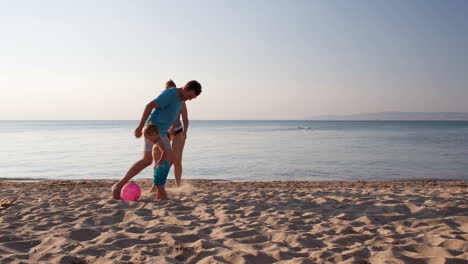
(130, 192)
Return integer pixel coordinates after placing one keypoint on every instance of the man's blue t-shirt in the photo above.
(169, 105)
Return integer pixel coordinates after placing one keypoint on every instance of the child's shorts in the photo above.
(160, 174)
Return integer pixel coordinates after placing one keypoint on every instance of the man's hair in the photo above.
(170, 84)
(195, 86)
(150, 129)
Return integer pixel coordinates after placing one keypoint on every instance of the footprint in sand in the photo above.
(9, 238)
(168, 229)
(257, 239)
(84, 234)
(187, 218)
(205, 244)
(127, 242)
(205, 231)
(136, 230)
(22, 246)
(186, 238)
(182, 208)
(70, 259)
(144, 212)
(242, 234)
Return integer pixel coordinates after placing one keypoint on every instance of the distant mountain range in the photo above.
(397, 116)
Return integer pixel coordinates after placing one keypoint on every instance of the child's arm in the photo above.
(159, 161)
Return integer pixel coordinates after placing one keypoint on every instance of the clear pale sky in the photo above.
(272, 59)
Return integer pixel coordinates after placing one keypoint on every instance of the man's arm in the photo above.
(185, 118)
(149, 107)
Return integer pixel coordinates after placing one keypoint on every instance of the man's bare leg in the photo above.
(178, 144)
(134, 170)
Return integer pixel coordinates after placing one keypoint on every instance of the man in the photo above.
(166, 109)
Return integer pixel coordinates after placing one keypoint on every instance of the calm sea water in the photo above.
(243, 150)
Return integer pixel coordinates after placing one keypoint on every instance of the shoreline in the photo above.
(223, 180)
(237, 222)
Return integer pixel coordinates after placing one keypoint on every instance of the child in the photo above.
(161, 156)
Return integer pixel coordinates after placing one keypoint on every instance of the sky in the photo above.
(256, 59)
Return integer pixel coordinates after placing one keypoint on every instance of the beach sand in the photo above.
(225, 222)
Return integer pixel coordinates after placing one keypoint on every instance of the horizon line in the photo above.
(134, 120)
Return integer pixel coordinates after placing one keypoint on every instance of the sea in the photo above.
(242, 150)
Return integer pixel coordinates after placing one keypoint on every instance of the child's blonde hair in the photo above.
(150, 129)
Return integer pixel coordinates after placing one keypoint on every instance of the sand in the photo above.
(223, 222)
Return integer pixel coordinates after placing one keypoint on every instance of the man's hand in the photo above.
(184, 134)
(138, 132)
(170, 130)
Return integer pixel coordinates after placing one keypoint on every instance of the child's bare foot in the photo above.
(161, 193)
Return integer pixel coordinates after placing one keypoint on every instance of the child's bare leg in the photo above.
(161, 192)
(156, 153)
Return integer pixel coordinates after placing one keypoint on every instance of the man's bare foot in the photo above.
(116, 189)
